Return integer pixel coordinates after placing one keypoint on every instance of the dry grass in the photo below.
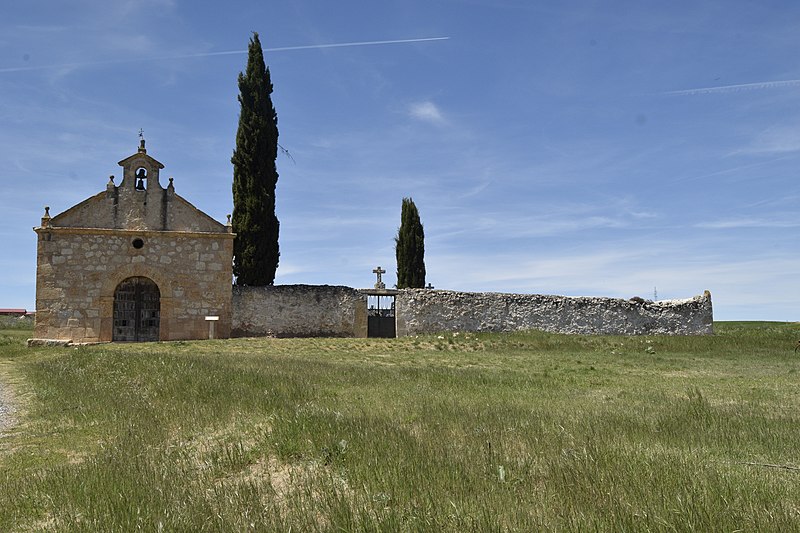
(523, 431)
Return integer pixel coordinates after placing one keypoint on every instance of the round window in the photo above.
(138, 243)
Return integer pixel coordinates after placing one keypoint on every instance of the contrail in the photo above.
(734, 88)
(224, 53)
(360, 43)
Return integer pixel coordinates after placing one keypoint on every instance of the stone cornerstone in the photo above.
(135, 262)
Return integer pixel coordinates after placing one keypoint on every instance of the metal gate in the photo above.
(380, 316)
(137, 311)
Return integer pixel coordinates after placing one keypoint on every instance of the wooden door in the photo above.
(137, 310)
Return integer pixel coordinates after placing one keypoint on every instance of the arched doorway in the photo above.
(137, 310)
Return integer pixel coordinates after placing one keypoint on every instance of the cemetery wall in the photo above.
(298, 311)
(336, 311)
(421, 311)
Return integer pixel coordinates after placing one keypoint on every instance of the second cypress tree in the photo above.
(255, 250)
(410, 248)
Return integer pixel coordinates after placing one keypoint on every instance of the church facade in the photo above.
(136, 262)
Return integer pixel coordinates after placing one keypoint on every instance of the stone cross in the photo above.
(379, 284)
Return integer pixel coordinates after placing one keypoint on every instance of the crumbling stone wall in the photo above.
(335, 311)
(299, 311)
(421, 311)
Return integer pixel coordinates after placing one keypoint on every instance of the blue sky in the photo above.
(579, 147)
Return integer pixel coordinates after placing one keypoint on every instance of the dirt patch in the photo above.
(6, 408)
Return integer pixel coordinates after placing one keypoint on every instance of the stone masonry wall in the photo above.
(335, 311)
(298, 311)
(79, 270)
(421, 311)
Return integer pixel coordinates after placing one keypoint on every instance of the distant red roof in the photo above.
(13, 312)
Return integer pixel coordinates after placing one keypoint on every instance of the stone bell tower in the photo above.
(140, 202)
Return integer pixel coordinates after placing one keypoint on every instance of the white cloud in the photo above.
(476, 189)
(748, 222)
(764, 284)
(129, 7)
(739, 168)
(561, 219)
(775, 140)
(427, 112)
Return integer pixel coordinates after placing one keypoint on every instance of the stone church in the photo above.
(136, 262)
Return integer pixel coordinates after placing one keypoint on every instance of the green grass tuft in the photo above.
(453, 432)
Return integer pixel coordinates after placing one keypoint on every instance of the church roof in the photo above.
(139, 154)
(138, 203)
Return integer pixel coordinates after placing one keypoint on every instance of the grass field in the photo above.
(494, 432)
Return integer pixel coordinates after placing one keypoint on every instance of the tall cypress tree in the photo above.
(410, 248)
(255, 250)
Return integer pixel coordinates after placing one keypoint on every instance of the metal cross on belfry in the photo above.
(141, 133)
(379, 284)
